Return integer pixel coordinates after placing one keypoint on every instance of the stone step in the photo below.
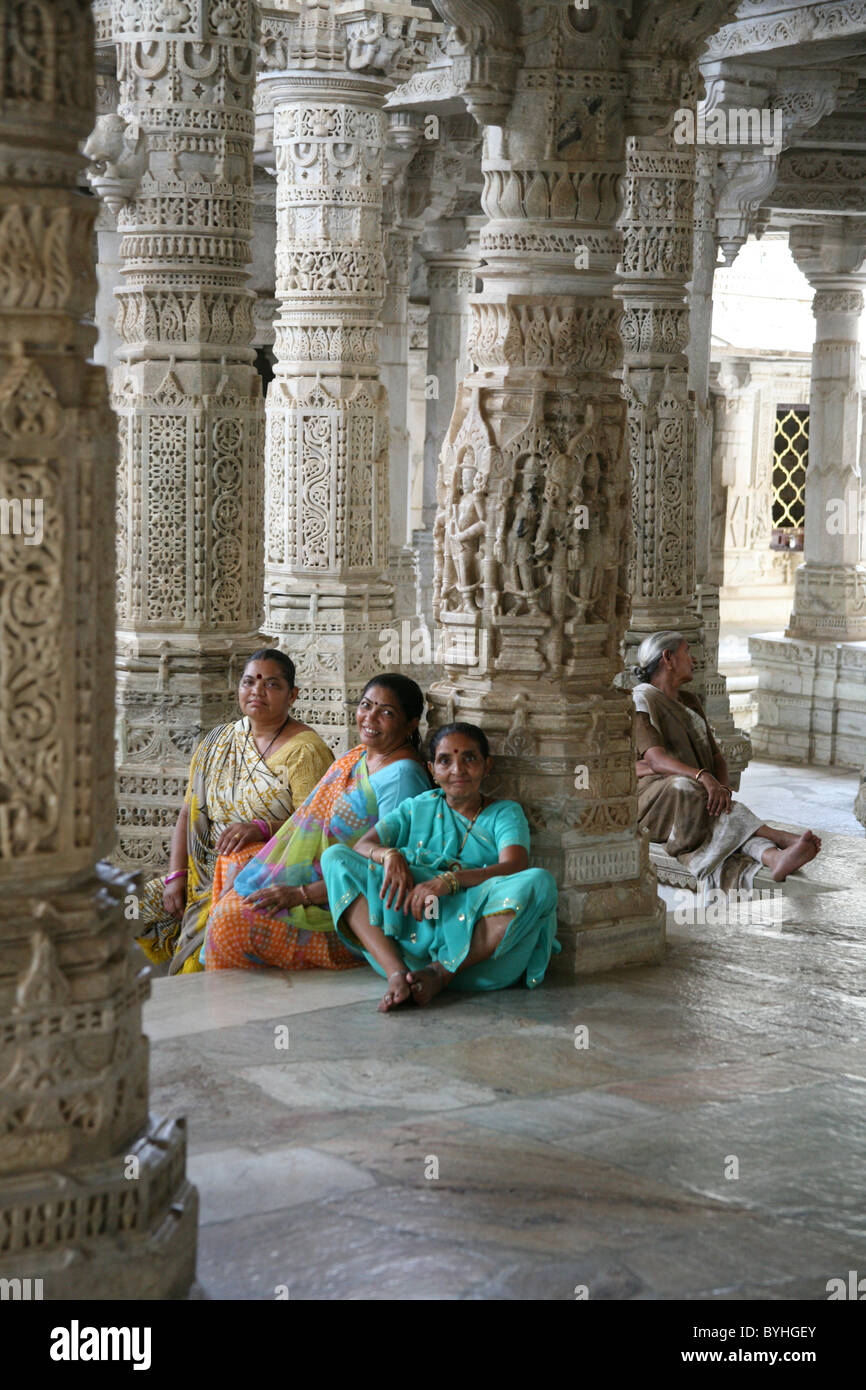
(812, 879)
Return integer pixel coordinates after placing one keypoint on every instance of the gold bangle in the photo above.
(700, 772)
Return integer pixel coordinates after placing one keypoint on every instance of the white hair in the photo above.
(650, 651)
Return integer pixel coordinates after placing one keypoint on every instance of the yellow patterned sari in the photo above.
(229, 781)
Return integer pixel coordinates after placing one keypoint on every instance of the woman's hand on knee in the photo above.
(174, 898)
(276, 899)
(422, 901)
(398, 882)
(236, 836)
(718, 797)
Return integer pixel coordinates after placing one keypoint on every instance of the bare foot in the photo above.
(790, 837)
(426, 983)
(801, 851)
(397, 993)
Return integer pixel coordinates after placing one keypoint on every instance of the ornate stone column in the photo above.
(115, 163)
(532, 527)
(418, 315)
(671, 520)
(709, 503)
(830, 588)
(450, 249)
(812, 681)
(400, 234)
(328, 595)
(93, 1198)
(188, 399)
(658, 232)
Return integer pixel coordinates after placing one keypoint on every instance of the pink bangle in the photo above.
(178, 873)
(263, 826)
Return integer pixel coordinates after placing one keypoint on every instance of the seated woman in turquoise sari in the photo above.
(439, 893)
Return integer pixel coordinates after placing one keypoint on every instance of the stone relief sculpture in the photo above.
(463, 532)
(515, 544)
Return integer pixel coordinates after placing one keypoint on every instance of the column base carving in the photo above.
(734, 743)
(167, 699)
(422, 541)
(811, 700)
(93, 1197)
(829, 603)
(403, 575)
(91, 1232)
(335, 634)
(571, 768)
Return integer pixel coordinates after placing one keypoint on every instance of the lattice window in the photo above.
(790, 461)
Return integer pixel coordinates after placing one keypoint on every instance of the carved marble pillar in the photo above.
(658, 232)
(671, 522)
(93, 1198)
(451, 251)
(111, 174)
(263, 258)
(830, 588)
(532, 527)
(328, 593)
(812, 681)
(709, 503)
(745, 504)
(189, 401)
(418, 315)
(395, 379)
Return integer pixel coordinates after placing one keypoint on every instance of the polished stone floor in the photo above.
(692, 1130)
(819, 799)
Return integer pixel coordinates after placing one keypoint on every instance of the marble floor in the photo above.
(693, 1130)
(817, 798)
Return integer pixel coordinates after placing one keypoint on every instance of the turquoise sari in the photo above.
(434, 837)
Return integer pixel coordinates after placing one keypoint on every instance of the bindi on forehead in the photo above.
(380, 704)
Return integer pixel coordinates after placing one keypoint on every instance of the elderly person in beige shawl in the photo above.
(684, 799)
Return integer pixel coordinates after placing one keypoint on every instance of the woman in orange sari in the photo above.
(276, 911)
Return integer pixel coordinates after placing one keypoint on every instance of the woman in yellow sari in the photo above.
(245, 781)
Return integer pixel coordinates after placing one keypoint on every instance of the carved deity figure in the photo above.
(25, 58)
(378, 44)
(552, 549)
(516, 547)
(465, 526)
(591, 549)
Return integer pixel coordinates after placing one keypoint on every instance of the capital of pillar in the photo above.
(74, 1125)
